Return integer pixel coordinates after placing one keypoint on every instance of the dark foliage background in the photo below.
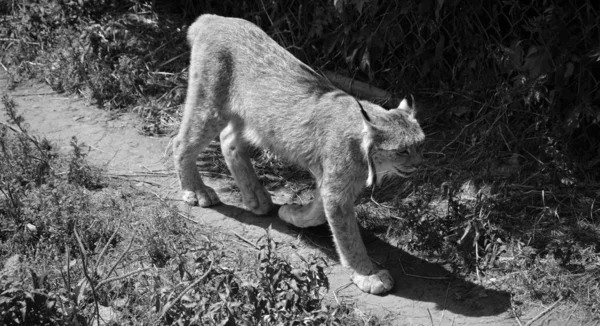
(507, 94)
(534, 66)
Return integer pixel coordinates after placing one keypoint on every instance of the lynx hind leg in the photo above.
(255, 197)
(303, 216)
(195, 133)
(350, 247)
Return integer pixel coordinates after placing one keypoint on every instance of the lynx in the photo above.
(253, 92)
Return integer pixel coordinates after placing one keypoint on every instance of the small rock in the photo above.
(107, 315)
(31, 227)
(11, 268)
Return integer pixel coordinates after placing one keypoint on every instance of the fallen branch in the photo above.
(33, 94)
(246, 241)
(116, 278)
(430, 317)
(124, 177)
(423, 277)
(176, 211)
(543, 312)
(361, 89)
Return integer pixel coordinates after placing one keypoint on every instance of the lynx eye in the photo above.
(403, 151)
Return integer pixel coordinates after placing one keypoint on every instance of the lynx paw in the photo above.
(377, 283)
(204, 197)
(300, 216)
(258, 201)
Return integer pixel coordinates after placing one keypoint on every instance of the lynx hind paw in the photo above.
(299, 216)
(377, 283)
(204, 197)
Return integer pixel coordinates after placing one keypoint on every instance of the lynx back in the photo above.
(253, 92)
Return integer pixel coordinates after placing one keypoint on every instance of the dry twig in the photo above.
(423, 277)
(116, 278)
(178, 212)
(430, 317)
(106, 247)
(170, 304)
(338, 290)
(247, 241)
(543, 312)
(120, 258)
(84, 261)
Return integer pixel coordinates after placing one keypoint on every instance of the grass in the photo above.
(531, 224)
(510, 187)
(77, 248)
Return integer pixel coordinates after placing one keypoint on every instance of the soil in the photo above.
(425, 293)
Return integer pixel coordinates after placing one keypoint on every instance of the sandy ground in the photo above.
(425, 293)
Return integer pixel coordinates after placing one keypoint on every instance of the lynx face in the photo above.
(402, 161)
(393, 143)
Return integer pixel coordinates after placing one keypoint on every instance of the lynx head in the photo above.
(392, 142)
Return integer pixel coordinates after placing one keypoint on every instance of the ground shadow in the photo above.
(416, 279)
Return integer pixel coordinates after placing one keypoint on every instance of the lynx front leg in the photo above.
(186, 147)
(304, 216)
(350, 247)
(200, 124)
(254, 195)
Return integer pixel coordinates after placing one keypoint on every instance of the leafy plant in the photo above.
(278, 293)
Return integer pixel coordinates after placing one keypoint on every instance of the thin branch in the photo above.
(120, 257)
(172, 303)
(445, 302)
(106, 247)
(543, 312)
(340, 289)
(247, 241)
(33, 94)
(24, 132)
(116, 278)
(135, 180)
(430, 317)
(512, 307)
(423, 277)
(142, 174)
(87, 276)
(177, 211)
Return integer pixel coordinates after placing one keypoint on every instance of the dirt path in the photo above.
(427, 297)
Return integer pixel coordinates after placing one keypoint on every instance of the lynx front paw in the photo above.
(377, 283)
(204, 197)
(258, 201)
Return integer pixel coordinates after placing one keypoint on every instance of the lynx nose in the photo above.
(417, 159)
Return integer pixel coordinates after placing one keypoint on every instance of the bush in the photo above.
(66, 262)
(510, 106)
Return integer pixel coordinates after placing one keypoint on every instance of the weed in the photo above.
(278, 293)
(511, 183)
(72, 256)
(79, 172)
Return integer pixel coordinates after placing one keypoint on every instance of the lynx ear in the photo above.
(367, 149)
(408, 105)
(369, 132)
(363, 112)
